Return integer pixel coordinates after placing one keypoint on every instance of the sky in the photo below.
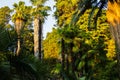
(49, 22)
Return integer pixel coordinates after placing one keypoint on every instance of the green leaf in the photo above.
(81, 64)
(82, 78)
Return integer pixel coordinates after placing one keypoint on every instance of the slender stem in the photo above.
(18, 47)
(63, 56)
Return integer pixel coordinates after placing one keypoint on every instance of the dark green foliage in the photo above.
(27, 41)
(109, 72)
(23, 67)
(7, 42)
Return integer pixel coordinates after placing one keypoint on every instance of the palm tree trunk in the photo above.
(37, 38)
(116, 35)
(18, 47)
(113, 17)
(18, 27)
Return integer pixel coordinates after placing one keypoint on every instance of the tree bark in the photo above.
(18, 28)
(18, 47)
(37, 38)
(113, 17)
(116, 35)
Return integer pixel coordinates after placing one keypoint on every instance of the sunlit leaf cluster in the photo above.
(50, 45)
(4, 16)
(64, 11)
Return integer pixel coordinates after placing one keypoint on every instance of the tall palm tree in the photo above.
(39, 12)
(19, 18)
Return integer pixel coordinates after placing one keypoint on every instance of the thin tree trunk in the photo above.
(62, 55)
(72, 61)
(18, 27)
(40, 39)
(37, 38)
(72, 57)
(18, 47)
(67, 62)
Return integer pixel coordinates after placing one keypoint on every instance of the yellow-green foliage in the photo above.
(65, 10)
(111, 49)
(28, 40)
(101, 31)
(50, 45)
(4, 16)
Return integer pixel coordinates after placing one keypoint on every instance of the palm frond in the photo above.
(4, 39)
(38, 2)
(8, 40)
(5, 71)
(86, 4)
(91, 14)
(28, 67)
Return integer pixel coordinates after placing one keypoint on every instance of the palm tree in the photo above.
(39, 12)
(22, 67)
(19, 18)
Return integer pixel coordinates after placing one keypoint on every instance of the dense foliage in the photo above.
(50, 45)
(80, 48)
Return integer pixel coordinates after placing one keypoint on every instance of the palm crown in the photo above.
(39, 10)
